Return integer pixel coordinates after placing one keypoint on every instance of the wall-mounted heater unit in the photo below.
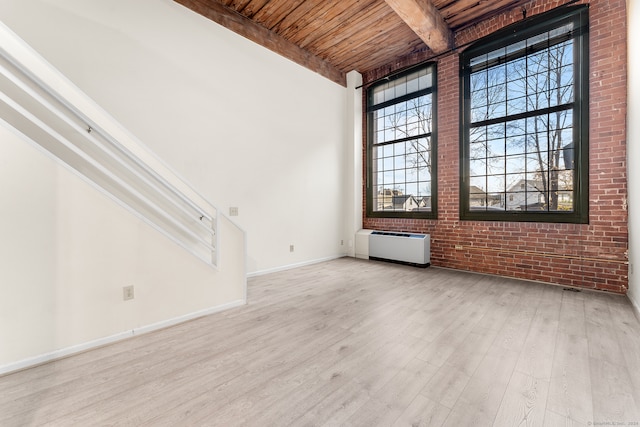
(406, 248)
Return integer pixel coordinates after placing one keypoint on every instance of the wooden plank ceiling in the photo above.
(333, 37)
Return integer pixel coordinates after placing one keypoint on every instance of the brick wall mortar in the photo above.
(590, 255)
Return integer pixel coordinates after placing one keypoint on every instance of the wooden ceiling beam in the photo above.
(426, 21)
(217, 12)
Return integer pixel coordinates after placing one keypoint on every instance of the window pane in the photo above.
(496, 165)
(425, 81)
(515, 164)
(496, 131)
(496, 184)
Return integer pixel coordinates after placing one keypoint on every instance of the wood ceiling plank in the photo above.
(425, 20)
(387, 27)
(441, 4)
(237, 5)
(365, 61)
(340, 14)
(455, 7)
(358, 25)
(253, 7)
(374, 41)
(478, 12)
(332, 37)
(387, 47)
(241, 25)
(309, 14)
(275, 11)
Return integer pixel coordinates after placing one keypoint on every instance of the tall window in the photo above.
(401, 145)
(525, 122)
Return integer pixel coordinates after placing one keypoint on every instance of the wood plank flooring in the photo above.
(358, 343)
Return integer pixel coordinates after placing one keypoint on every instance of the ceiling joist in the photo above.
(426, 21)
(249, 29)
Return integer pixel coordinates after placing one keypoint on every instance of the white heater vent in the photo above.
(409, 248)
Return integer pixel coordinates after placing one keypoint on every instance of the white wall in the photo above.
(66, 251)
(633, 149)
(247, 127)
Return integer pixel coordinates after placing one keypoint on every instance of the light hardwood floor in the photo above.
(358, 343)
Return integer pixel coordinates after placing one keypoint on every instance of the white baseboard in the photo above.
(291, 266)
(58, 354)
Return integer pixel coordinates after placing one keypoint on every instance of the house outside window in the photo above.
(401, 148)
(524, 131)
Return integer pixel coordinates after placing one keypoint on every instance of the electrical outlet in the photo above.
(341, 242)
(233, 211)
(290, 248)
(127, 293)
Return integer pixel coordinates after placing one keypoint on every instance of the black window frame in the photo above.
(523, 30)
(418, 214)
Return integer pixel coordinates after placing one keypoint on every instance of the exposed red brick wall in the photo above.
(590, 255)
